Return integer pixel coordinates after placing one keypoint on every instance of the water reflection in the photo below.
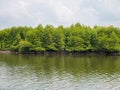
(31, 72)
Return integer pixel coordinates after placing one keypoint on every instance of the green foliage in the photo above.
(77, 37)
(75, 44)
(24, 46)
(37, 49)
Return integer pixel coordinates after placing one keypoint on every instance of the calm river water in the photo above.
(35, 72)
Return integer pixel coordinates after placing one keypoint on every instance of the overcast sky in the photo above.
(59, 12)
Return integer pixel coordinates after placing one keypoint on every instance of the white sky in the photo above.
(59, 12)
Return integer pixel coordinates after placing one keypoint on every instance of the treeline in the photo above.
(76, 37)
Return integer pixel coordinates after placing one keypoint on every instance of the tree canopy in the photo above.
(76, 37)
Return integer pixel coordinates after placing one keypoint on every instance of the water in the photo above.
(31, 72)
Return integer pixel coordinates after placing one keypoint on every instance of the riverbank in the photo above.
(63, 52)
(76, 37)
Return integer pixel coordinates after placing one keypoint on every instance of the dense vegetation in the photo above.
(76, 37)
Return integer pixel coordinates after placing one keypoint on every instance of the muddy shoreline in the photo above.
(62, 52)
(6, 51)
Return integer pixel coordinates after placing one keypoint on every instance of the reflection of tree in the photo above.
(59, 65)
